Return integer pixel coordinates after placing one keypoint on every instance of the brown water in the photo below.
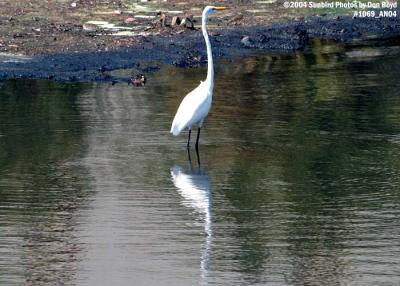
(298, 184)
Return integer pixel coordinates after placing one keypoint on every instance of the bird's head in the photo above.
(209, 10)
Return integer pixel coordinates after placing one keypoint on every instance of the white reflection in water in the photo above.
(194, 187)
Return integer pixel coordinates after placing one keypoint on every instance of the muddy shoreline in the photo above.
(186, 49)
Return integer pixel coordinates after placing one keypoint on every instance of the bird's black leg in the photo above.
(198, 156)
(197, 140)
(188, 143)
(190, 160)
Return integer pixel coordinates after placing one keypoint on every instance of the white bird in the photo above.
(196, 105)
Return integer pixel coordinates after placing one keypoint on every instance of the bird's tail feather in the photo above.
(176, 129)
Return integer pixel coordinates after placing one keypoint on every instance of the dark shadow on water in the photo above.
(41, 186)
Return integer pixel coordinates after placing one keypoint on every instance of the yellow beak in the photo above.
(220, 8)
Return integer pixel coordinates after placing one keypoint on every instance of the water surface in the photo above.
(298, 183)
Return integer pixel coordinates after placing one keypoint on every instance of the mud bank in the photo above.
(187, 49)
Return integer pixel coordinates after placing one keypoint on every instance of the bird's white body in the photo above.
(195, 106)
(193, 109)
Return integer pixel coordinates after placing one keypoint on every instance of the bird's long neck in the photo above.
(210, 69)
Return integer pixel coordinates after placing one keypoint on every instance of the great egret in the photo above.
(196, 105)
